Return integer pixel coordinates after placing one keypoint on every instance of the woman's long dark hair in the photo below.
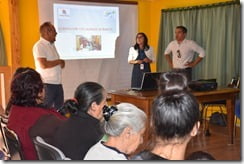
(146, 46)
(85, 94)
(26, 87)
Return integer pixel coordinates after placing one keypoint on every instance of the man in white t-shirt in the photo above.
(183, 51)
(49, 65)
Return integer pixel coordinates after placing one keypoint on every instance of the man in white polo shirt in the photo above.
(49, 65)
(183, 51)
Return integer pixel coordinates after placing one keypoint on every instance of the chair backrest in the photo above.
(13, 144)
(46, 151)
(238, 108)
(3, 140)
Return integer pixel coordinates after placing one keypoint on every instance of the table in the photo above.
(144, 99)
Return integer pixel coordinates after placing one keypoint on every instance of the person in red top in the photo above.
(26, 108)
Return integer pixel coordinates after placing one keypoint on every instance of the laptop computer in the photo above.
(149, 81)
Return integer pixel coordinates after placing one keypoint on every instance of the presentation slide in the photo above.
(86, 32)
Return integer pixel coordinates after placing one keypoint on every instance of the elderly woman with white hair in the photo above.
(124, 125)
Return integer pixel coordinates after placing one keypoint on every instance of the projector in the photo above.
(203, 85)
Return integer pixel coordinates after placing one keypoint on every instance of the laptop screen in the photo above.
(151, 80)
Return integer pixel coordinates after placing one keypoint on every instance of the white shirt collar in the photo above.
(45, 41)
(183, 41)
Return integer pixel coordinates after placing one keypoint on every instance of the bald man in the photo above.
(49, 65)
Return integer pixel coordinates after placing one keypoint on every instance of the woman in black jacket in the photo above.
(82, 129)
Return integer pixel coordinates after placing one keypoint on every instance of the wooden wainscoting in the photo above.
(5, 79)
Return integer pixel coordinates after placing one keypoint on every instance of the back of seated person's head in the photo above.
(22, 69)
(26, 88)
(17, 71)
(85, 94)
(172, 81)
(175, 113)
(200, 155)
(122, 117)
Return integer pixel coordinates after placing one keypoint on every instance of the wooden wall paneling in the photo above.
(15, 33)
(5, 79)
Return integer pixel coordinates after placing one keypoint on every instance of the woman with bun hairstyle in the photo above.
(82, 129)
(174, 121)
(124, 124)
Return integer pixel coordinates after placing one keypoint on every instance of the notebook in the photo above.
(149, 81)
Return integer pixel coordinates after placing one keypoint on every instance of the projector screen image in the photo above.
(86, 32)
(90, 44)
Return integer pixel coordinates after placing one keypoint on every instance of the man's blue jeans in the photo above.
(54, 95)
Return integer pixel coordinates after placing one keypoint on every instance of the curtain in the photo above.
(216, 28)
(3, 57)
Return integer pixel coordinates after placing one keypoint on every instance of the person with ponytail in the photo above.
(124, 124)
(82, 128)
(174, 120)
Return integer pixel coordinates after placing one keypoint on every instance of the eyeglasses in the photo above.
(178, 54)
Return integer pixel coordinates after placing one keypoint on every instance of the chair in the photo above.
(4, 145)
(237, 114)
(13, 144)
(46, 151)
(235, 83)
(4, 118)
(205, 106)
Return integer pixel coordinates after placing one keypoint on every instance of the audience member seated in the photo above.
(124, 125)
(26, 108)
(40, 127)
(18, 71)
(174, 120)
(82, 129)
(200, 155)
